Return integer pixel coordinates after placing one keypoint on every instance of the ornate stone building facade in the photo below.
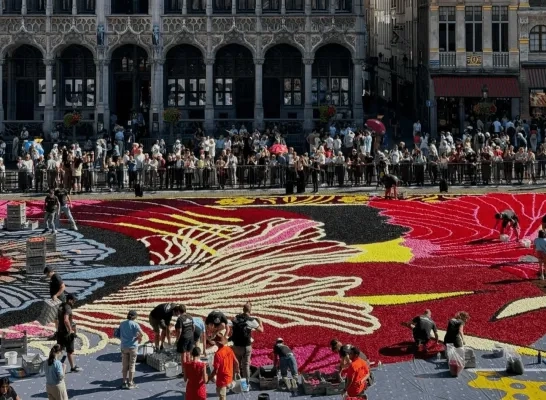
(532, 47)
(216, 60)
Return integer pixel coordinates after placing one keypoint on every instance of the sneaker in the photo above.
(124, 386)
(75, 228)
(76, 369)
(132, 385)
(55, 231)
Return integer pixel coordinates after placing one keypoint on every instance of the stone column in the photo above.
(283, 7)
(209, 96)
(513, 26)
(49, 8)
(24, 7)
(460, 43)
(433, 36)
(2, 7)
(106, 92)
(74, 7)
(258, 101)
(185, 7)
(157, 92)
(1, 92)
(461, 114)
(308, 104)
(233, 7)
(48, 109)
(11, 92)
(259, 7)
(487, 55)
(99, 94)
(358, 112)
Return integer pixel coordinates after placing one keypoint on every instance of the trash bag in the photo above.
(455, 359)
(241, 385)
(514, 363)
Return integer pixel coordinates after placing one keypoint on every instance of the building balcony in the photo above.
(448, 59)
(501, 60)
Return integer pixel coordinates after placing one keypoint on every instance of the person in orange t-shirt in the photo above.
(224, 364)
(357, 374)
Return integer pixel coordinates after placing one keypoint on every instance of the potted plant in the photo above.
(172, 116)
(71, 120)
(327, 113)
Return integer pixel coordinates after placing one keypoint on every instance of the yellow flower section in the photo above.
(513, 388)
(395, 299)
(391, 251)
(235, 201)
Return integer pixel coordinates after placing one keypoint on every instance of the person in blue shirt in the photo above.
(55, 371)
(199, 332)
(130, 335)
(540, 250)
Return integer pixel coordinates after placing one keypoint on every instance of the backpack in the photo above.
(241, 332)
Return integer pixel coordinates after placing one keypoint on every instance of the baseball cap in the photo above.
(132, 314)
(280, 340)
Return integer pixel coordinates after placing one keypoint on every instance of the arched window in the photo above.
(332, 76)
(537, 39)
(186, 77)
(29, 70)
(78, 72)
(232, 62)
(284, 62)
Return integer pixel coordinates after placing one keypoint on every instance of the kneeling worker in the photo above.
(391, 183)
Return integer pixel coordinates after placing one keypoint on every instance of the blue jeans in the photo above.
(66, 210)
(288, 362)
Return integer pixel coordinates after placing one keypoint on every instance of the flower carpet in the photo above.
(314, 267)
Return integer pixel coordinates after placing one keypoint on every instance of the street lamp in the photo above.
(74, 106)
(485, 91)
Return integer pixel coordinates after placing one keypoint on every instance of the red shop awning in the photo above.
(536, 77)
(471, 86)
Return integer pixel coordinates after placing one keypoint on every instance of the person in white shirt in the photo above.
(337, 144)
(424, 145)
(394, 157)
(2, 148)
(211, 147)
(417, 128)
(232, 168)
(366, 143)
(2, 176)
(330, 142)
(24, 134)
(227, 144)
(349, 141)
(155, 148)
(177, 147)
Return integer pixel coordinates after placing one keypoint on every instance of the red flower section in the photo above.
(453, 243)
(461, 232)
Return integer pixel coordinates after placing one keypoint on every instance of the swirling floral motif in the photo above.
(256, 263)
(513, 388)
(461, 232)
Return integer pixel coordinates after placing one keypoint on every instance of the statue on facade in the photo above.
(156, 36)
(100, 35)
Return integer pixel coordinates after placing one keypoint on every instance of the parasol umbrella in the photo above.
(376, 126)
(278, 148)
(36, 144)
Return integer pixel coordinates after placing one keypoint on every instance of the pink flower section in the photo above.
(421, 248)
(33, 329)
(282, 232)
(309, 358)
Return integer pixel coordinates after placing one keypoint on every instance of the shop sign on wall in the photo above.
(473, 60)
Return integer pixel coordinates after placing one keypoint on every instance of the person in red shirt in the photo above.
(195, 374)
(357, 374)
(225, 363)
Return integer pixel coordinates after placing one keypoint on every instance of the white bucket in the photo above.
(504, 238)
(525, 243)
(171, 369)
(11, 357)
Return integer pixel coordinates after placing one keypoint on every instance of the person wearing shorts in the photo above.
(199, 335)
(130, 335)
(508, 218)
(65, 331)
(540, 250)
(184, 333)
(225, 363)
(65, 204)
(160, 320)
